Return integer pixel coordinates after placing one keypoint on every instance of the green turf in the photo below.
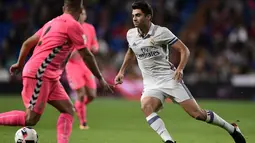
(119, 121)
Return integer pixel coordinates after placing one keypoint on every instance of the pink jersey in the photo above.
(91, 41)
(58, 38)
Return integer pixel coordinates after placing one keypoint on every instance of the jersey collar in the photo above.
(149, 32)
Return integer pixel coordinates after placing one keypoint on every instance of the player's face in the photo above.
(83, 16)
(139, 18)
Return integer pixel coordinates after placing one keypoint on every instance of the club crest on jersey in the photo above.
(152, 42)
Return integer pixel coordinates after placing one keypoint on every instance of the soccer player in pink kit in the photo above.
(41, 85)
(82, 80)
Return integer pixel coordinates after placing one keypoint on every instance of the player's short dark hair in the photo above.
(143, 6)
(73, 5)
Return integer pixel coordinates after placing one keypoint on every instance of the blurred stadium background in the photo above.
(219, 33)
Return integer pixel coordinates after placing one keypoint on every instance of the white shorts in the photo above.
(178, 92)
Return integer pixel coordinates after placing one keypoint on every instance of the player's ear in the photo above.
(148, 17)
(63, 8)
(80, 10)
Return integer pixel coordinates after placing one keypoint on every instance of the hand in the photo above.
(178, 74)
(105, 85)
(15, 69)
(119, 79)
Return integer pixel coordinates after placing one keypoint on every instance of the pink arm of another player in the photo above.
(94, 46)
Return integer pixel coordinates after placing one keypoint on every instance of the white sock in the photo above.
(158, 125)
(213, 118)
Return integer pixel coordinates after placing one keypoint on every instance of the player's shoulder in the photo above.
(162, 29)
(88, 25)
(131, 32)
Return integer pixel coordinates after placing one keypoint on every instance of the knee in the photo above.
(80, 97)
(31, 121)
(91, 98)
(147, 108)
(70, 111)
(80, 94)
(93, 95)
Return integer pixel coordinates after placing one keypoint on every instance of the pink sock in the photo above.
(13, 118)
(80, 110)
(64, 127)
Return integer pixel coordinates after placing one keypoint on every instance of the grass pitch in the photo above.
(121, 121)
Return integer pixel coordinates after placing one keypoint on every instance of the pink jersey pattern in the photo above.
(57, 39)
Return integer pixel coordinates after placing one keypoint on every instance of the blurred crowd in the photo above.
(224, 46)
(221, 47)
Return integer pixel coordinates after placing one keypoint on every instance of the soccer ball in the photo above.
(26, 135)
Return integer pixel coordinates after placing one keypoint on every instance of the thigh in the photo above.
(75, 76)
(180, 92)
(63, 106)
(59, 99)
(29, 86)
(153, 97)
(57, 92)
(90, 81)
(156, 93)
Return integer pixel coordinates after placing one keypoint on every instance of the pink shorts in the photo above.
(78, 76)
(50, 90)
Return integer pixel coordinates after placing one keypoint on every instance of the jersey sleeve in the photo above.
(128, 37)
(168, 37)
(77, 36)
(94, 39)
(39, 32)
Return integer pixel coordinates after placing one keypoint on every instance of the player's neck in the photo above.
(75, 16)
(145, 29)
(81, 22)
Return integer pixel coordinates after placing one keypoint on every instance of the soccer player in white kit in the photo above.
(150, 43)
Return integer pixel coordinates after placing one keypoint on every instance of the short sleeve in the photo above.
(168, 37)
(39, 32)
(128, 37)
(77, 36)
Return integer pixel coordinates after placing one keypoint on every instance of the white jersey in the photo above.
(152, 53)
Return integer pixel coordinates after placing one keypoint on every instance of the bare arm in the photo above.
(26, 47)
(90, 60)
(129, 57)
(184, 51)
